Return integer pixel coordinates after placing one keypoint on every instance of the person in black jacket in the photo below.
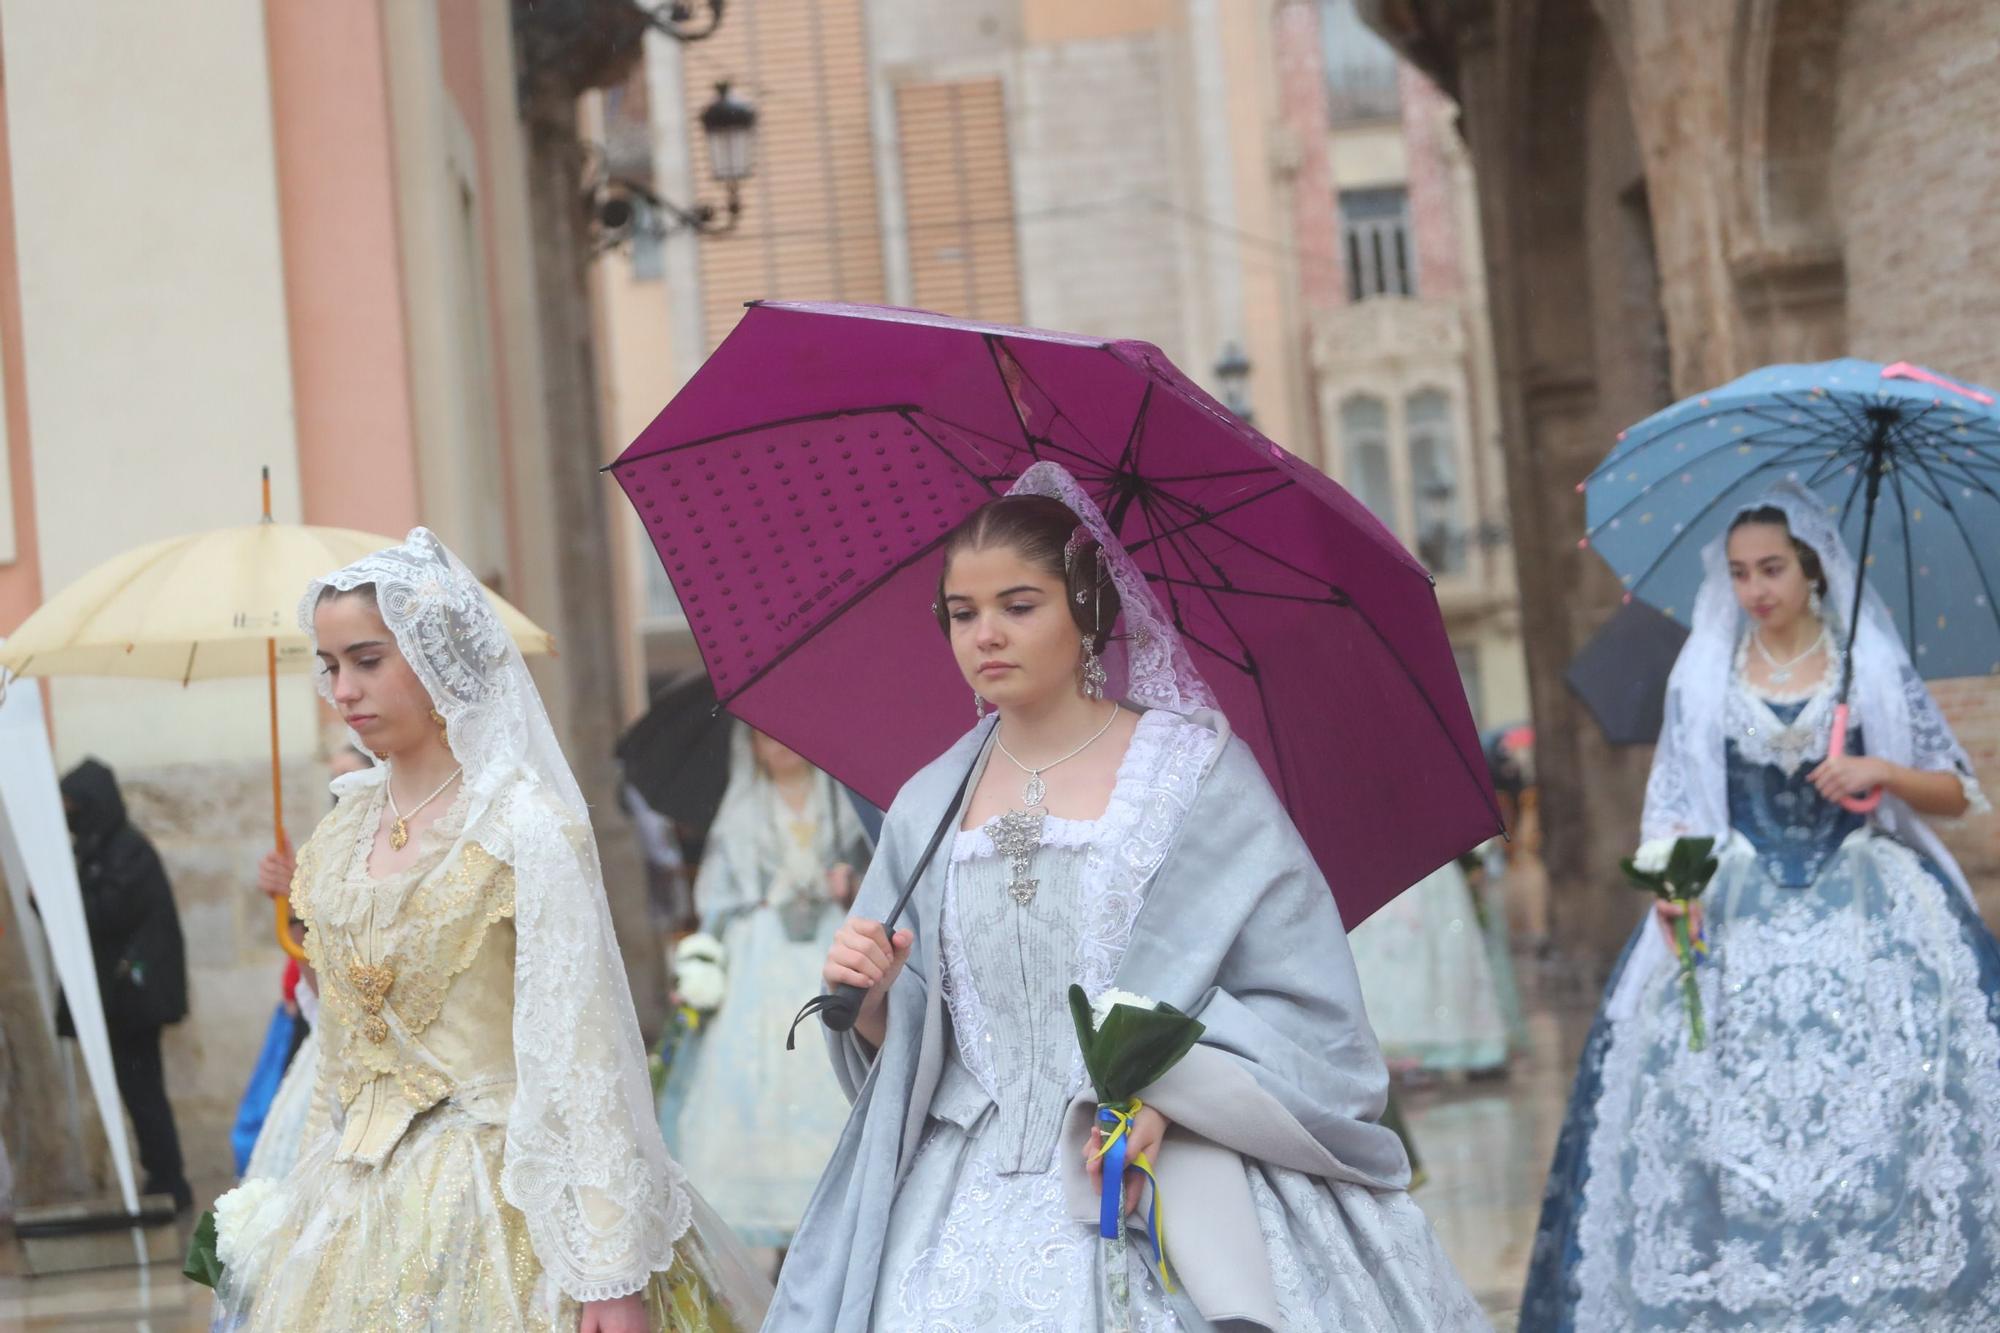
(135, 934)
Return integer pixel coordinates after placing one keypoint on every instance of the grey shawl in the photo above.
(1238, 928)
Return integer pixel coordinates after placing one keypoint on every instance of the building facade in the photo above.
(1156, 169)
(238, 235)
(1672, 195)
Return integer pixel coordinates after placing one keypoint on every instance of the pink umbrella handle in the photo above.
(1837, 747)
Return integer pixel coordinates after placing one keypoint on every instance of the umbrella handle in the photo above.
(1860, 805)
(281, 906)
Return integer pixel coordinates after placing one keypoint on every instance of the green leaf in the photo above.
(1136, 1048)
(201, 1265)
(1086, 1039)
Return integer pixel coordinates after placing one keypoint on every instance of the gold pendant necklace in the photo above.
(399, 832)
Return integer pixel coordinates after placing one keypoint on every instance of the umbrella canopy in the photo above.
(1621, 674)
(799, 486)
(213, 605)
(201, 607)
(1901, 447)
(677, 755)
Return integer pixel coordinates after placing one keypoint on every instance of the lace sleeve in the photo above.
(585, 1163)
(1933, 747)
(1669, 811)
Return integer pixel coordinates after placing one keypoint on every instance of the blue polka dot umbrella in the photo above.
(1908, 459)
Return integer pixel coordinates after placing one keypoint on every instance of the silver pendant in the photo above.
(1034, 790)
(1016, 835)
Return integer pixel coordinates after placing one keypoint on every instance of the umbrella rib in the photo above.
(910, 418)
(1963, 475)
(1694, 521)
(1210, 516)
(1233, 590)
(1138, 429)
(1619, 457)
(992, 341)
(1909, 566)
(1335, 597)
(1242, 644)
(1985, 583)
(778, 658)
(893, 409)
(1756, 441)
(1437, 716)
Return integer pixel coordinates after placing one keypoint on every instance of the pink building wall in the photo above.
(1302, 108)
(1433, 220)
(343, 283)
(21, 580)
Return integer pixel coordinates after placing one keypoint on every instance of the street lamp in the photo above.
(684, 21)
(1232, 372)
(620, 207)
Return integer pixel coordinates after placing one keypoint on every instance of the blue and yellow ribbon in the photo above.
(1115, 1123)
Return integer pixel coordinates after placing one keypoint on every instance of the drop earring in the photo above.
(1093, 674)
(978, 706)
(438, 718)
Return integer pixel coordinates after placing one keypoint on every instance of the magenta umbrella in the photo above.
(798, 489)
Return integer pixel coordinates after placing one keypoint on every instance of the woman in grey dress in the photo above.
(1133, 845)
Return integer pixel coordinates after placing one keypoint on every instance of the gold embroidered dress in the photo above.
(394, 1216)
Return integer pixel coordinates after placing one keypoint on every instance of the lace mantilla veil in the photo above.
(585, 1164)
(1158, 671)
(1687, 790)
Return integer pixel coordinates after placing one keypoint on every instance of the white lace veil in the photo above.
(1158, 671)
(752, 823)
(1687, 790)
(585, 1164)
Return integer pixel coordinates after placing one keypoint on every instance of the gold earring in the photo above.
(438, 718)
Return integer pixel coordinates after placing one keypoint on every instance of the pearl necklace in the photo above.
(399, 832)
(1780, 672)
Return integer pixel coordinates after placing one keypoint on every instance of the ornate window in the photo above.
(1364, 442)
(1360, 67)
(1375, 237)
(1434, 481)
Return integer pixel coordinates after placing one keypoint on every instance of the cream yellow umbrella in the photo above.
(214, 605)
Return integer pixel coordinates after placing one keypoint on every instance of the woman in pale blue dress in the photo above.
(1426, 969)
(1831, 1160)
(754, 1122)
(1134, 846)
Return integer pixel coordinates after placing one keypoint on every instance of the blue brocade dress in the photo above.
(1831, 1161)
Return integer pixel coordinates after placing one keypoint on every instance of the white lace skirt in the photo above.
(971, 1249)
(427, 1241)
(1831, 1160)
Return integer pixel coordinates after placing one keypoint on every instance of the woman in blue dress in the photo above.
(1831, 1159)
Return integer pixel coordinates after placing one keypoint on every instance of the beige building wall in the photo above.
(211, 205)
(153, 314)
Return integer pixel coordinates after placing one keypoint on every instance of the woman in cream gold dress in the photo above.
(482, 1152)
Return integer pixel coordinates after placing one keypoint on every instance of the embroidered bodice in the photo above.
(1019, 960)
(1773, 744)
(416, 984)
(1008, 964)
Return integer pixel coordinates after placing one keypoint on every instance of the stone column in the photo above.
(565, 48)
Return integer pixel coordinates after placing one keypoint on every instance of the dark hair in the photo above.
(366, 591)
(1038, 528)
(1774, 517)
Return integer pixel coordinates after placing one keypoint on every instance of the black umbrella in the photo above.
(1621, 674)
(677, 755)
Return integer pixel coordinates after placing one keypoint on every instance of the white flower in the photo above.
(700, 973)
(1653, 855)
(1101, 1008)
(235, 1214)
